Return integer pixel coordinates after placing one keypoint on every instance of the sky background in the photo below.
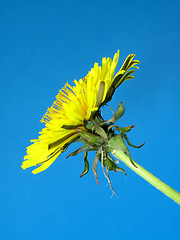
(44, 44)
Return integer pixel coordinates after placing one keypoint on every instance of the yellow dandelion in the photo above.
(65, 121)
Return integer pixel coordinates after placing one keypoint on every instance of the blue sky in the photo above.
(43, 45)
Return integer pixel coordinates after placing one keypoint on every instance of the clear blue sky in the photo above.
(44, 44)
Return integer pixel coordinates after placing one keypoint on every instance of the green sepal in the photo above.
(88, 125)
(79, 150)
(119, 112)
(122, 131)
(127, 129)
(121, 146)
(97, 118)
(90, 138)
(100, 131)
(127, 139)
(86, 165)
(109, 163)
(95, 165)
(130, 144)
(69, 143)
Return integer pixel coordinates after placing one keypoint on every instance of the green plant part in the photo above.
(123, 134)
(86, 165)
(98, 154)
(79, 150)
(118, 114)
(111, 165)
(93, 140)
(96, 138)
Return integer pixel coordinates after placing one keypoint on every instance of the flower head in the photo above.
(75, 113)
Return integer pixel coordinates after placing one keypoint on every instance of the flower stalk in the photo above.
(113, 147)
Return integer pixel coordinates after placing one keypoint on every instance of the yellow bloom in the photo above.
(74, 105)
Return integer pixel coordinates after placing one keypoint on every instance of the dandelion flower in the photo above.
(75, 116)
(75, 105)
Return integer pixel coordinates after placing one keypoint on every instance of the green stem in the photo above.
(114, 144)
